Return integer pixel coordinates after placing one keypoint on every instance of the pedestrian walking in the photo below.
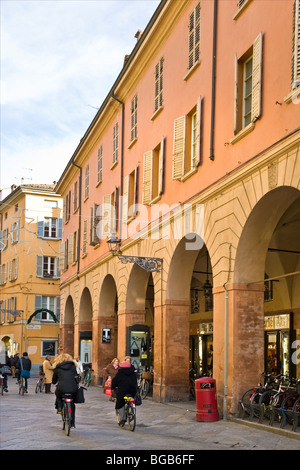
(48, 371)
(79, 367)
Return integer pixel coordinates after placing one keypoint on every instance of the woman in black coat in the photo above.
(126, 384)
(65, 375)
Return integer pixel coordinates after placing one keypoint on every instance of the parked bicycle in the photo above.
(66, 413)
(130, 412)
(40, 386)
(275, 401)
(145, 382)
(88, 377)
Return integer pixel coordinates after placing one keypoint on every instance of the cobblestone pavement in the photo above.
(30, 422)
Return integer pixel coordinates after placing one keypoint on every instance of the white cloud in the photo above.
(59, 59)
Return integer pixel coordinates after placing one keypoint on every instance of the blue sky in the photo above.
(59, 59)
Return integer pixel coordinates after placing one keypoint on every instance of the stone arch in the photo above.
(69, 314)
(67, 326)
(108, 297)
(258, 230)
(136, 288)
(85, 306)
(183, 260)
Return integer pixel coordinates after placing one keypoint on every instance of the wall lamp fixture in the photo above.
(149, 264)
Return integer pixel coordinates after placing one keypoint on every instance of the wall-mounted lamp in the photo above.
(149, 264)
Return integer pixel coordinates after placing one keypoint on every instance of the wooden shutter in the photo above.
(62, 254)
(125, 199)
(236, 90)
(70, 248)
(39, 265)
(257, 78)
(16, 268)
(197, 155)
(161, 163)
(179, 147)
(40, 229)
(296, 46)
(106, 215)
(84, 241)
(147, 177)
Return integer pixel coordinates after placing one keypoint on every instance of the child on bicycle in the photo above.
(126, 384)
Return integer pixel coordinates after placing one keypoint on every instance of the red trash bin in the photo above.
(206, 401)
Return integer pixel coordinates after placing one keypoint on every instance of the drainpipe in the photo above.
(79, 223)
(122, 166)
(213, 84)
(226, 343)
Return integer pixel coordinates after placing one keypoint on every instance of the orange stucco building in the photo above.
(30, 235)
(192, 159)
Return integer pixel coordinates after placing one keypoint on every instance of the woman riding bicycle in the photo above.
(126, 384)
(65, 375)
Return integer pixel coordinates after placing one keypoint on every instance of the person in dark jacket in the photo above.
(24, 363)
(5, 374)
(126, 384)
(65, 375)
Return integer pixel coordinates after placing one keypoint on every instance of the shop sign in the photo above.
(205, 328)
(277, 322)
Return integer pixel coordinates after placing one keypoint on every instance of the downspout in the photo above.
(79, 223)
(213, 83)
(122, 166)
(226, 343)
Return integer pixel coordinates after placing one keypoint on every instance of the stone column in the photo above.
(171, 351)
(67, 338)
(245, 341)
(103, 353)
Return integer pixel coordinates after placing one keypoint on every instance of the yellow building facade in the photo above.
(30, 233)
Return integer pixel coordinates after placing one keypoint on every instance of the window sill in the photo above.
(132, 143)
(243, 133)
(114, 164)
(98, 183)
(293, 96)
(240, 10)
(156, 113)
(189, 174)
(192, 70)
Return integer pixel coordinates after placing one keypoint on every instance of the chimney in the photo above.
(138, 34)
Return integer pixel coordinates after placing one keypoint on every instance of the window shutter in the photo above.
(70, 248)
(257, 78)
(62, 254)
(57, 310)
(1, 241)
(236, 71)
(96, 224)
(106, 215)
(59, 228)
(40, 229)
(37, 306)
(161, 164)
(197, 156)
(179, 147)
(10, 270)
(136, 189)
(147, 177)
(115, 209)
(17, 231)
(125, 198)
(84, 241)
(39, 266)
(16, 268)
(296, 46)
(12, 231)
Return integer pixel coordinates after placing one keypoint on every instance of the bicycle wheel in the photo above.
(37, 387)
(21, 387)
(144, 390)
(66, 412)
(131, 416)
